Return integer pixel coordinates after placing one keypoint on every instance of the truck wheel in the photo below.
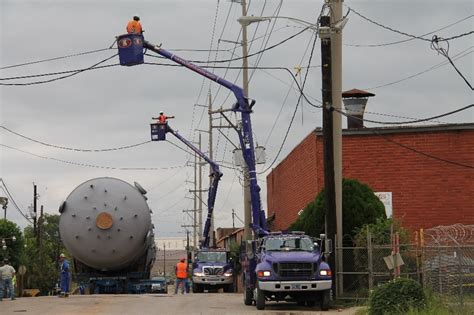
(260, 299)
(248, 296)
(229, 288)
(197, 288)
(325, 299)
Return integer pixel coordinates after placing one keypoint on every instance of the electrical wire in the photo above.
(91, 165)
(59, 78)
(410, 39)
(55, 58)
(74, 149)
(301, 95)
(436, 45)
(5, 189)
(403, 122)
(421, 152)
(56, 73)
(460, 55)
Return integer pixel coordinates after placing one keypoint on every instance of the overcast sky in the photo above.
(112, 107)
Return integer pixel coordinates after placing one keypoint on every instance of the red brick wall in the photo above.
(425, 192)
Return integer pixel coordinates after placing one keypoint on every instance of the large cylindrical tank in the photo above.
(105, 223)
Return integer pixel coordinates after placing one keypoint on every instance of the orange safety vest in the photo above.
(134, 27)
(162, 119)
(181, 270)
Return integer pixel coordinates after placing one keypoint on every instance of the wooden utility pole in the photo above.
(337, 24)
(329, 187)
(245, 88)
(34, 209)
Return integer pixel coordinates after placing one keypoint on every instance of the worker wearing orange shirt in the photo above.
(162, 118)
(134, 26)
(181, 271)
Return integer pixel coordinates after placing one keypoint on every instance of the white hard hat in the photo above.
(62, 256)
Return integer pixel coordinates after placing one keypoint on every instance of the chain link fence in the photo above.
(441, 259)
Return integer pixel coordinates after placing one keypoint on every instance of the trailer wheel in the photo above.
(260, 299)
(325, 300)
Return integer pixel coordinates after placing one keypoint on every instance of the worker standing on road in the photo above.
(134, 26)
(162, 118)
(7, 273)
(181, 271)
(64, 268)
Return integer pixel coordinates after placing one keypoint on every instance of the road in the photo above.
(221, 303)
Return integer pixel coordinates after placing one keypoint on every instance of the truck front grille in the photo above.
(213, 271)
(290, 269)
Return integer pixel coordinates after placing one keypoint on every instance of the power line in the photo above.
(301, 93)
(410, 39)
(59, 78)
(253, 54)
(74, 149)
(460, 55)
(56, 73)
(435, 45)
(395, 30)
(403, 122)
(420, 152)
(55, 58)
(5, 189)
(92, 165)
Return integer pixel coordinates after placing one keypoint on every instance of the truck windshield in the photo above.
(289, 244)
(212, 257)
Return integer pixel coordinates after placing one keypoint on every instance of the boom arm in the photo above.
(245, 136)
(211, 197)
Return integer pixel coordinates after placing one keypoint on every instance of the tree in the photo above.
(359, 206)
(14, 248)
(42, 261)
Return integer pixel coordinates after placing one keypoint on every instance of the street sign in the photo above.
(21, 270)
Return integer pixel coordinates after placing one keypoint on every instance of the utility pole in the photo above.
(233, 219)
(336, 56)
(331, 60)
(195, 231)
(187, 249)
(200, 190)
(245, 87)
(212, 240)
(329, 187)
(164, 259)
(34, 209)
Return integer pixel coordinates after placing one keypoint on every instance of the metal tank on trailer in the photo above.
(105, 224)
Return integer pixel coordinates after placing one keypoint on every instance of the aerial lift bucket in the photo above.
(158, 131)
(130, 48)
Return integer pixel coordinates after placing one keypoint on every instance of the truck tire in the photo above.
(325, 300)
(260, 299)
(248, 296)
(229, 288)
(197, 288)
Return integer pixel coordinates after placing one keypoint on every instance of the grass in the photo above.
(434, 306)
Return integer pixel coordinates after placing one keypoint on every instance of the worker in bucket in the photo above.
(134, 26)
(162, 118)
(64, 276)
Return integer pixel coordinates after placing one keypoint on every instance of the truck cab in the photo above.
(289, 267)
(212, 270)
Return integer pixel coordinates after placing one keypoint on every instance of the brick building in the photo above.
(426, 191)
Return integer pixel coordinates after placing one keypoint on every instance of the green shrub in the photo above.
(359, 206)
(397, 297)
